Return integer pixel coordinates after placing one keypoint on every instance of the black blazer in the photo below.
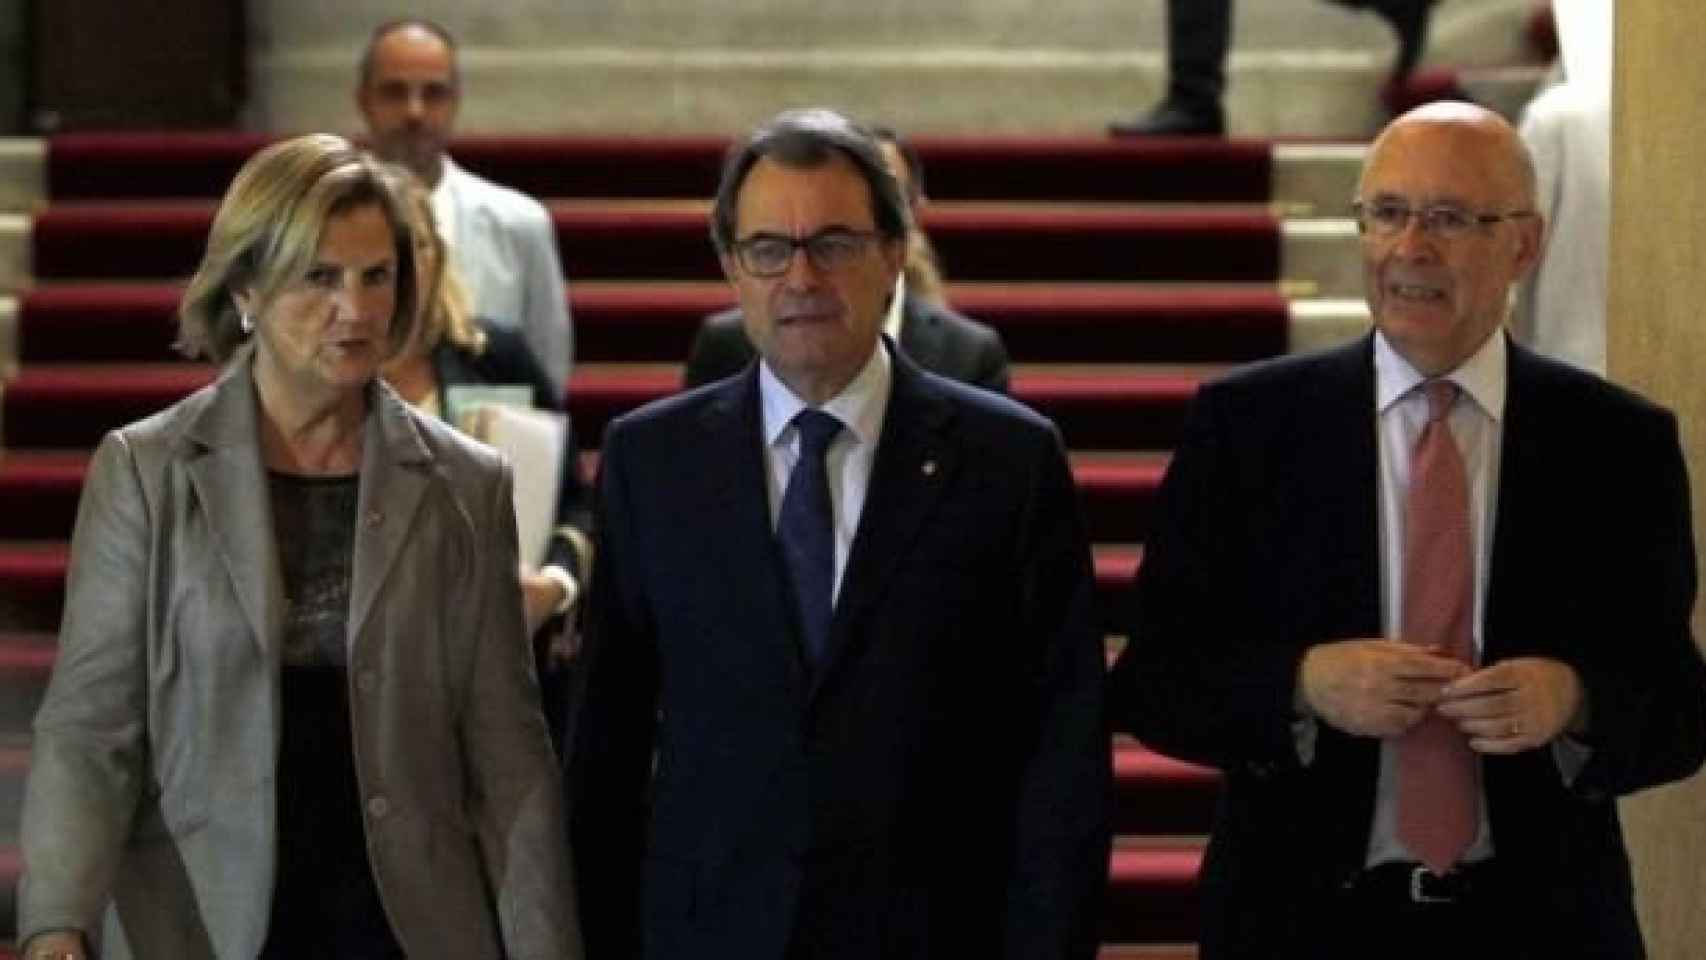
(508, 360)
(1268, 542)
(941, 341)
(938, 789)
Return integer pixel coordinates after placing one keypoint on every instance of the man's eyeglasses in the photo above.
(1388, 218)
(768, 255)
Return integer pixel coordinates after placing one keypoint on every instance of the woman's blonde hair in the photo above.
(268, 229)
(447, 312)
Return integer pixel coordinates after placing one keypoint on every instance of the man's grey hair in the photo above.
(804, 140)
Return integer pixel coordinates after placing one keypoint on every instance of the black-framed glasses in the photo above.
(1388, 218)
(768, 255)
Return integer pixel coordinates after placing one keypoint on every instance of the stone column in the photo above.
(1656, 343)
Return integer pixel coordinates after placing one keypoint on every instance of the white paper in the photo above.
(533, 440)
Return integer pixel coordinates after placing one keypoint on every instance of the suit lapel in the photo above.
(1522, 467)
(1345, 423)
(1338, 515)
(224, 465)
(914, 464)
(396, 468)
(738, 526)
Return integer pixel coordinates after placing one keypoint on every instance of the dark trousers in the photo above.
(1378, 919)
(1199, 33)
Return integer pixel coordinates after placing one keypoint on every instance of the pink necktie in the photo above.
(1437, 772)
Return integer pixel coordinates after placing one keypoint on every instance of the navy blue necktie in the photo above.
(806, 529)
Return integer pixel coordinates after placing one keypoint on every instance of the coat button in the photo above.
(366, 681)
(378, 807)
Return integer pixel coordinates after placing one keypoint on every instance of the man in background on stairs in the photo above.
(502, 241)
(842, 678)
(918, 319)
(1198, 35)
(1424, 598)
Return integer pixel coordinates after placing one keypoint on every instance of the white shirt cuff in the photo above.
(571, 589)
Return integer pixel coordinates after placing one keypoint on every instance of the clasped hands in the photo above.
(1381, 687)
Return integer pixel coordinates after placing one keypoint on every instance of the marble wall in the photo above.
(1657, 344)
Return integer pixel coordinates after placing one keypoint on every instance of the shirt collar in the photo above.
(447, 174)
(1482, 376)
(897, 309)
(859, 406)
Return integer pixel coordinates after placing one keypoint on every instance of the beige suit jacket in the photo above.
(151, 796)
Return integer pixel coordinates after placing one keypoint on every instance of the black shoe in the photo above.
(1409, 20)
(1173, 119)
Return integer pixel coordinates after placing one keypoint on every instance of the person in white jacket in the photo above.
(502, 241)
(1561, 309)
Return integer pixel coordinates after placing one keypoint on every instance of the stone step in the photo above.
(23, 174)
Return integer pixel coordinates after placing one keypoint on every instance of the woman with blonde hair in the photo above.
(293, 713)
(452, 349)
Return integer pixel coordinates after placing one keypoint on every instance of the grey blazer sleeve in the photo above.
(87, 758)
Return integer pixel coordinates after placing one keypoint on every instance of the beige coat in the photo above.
(151, 796)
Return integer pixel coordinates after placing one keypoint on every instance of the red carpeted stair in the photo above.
(637, 322)
(39, 491)
(1120, 274)
(619, 241)
(126, 166)
(72, 406)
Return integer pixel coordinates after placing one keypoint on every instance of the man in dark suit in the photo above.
(846, 606)
(1425, 600)
(932, 335)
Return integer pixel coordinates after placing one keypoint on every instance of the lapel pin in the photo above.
(929, 468)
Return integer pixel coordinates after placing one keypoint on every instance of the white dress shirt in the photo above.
(1477, 425)
(860, 407)
(897, 309)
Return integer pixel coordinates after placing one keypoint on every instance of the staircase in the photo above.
(1121, 274)
(1297, 67)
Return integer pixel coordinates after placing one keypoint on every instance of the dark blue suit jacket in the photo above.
(1268, 542)
(938, 789)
